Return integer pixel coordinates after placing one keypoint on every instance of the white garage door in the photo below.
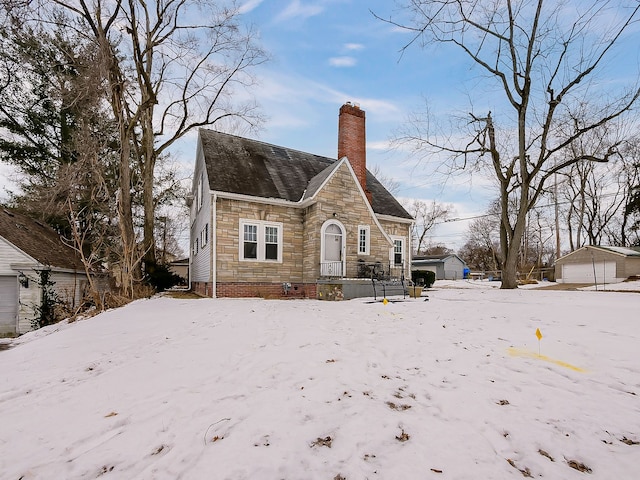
(605, 272)
(8, 304)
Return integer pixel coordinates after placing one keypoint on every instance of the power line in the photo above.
(536, 207)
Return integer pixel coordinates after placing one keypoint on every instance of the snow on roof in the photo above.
(623, 250)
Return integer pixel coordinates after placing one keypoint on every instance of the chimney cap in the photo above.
(352, 108)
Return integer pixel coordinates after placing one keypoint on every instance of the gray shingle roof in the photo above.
(316, 182)
(37, 240)
(250, 167)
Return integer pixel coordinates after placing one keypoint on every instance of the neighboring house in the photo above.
(270, 221)
(27, 247)
(180, 268)
(446, 267)
(598, 265)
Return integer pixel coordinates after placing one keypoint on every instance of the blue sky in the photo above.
(324, 53)
(327, 52)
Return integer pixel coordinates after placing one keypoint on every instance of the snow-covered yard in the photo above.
(452, 387)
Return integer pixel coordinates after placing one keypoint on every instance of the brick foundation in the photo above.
(258, 289)
(203, 289)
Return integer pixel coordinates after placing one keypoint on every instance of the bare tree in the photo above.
(596, 198)
(392, 185)
(99, 24)
(172, 66)
(427, 216)
(187, 72)
(544, 59)
(538, 251)
(481, 250)
(629, 225)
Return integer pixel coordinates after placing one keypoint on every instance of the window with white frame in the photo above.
(270, 242)
(199, 192)
(250, 242)
(194, 248)
(398, 250)
(260, 241)
(363, 240)
(204, 236)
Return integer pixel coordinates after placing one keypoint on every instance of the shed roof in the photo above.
(251, 167)
(37, 240)
(620, 251)
(431, 259)
(627, 252)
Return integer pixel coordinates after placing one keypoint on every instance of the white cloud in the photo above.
(249, 5)
(296, 9)
(381, 145)
(342, 61)
(353, 46)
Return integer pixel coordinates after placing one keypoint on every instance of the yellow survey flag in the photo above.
(538, 334)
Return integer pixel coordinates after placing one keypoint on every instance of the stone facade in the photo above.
(340, 200)
(229, 266)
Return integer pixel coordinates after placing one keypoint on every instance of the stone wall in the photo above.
(340, 200)
(231, 269)
(399, 229)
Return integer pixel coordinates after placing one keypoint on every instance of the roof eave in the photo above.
(254, 199)
(392, 218)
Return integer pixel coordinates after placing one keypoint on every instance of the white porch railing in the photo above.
(331, 269)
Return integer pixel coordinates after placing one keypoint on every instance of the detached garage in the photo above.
(28, 248)
(8, 304)
(446, 267)
(598, 265)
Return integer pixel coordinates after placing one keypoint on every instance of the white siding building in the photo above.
(27, 248)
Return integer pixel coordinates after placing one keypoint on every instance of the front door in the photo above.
(332, 256)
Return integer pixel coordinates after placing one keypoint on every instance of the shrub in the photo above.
(161, 278)
(47, 311)
(423, 277)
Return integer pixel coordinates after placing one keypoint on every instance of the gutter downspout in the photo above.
(409, 252)
(213, 257)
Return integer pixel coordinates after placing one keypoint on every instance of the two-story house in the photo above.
(273, 222)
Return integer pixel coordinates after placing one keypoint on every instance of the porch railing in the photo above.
(371, 270)
(331, 269)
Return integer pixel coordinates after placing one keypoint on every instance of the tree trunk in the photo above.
(509, 272)
(148, 166)
(510, 264)
(129, 262)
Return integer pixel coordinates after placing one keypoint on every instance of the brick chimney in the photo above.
(352, 141)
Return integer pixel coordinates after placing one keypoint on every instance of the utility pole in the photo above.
(163, 219)
(555, 197)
